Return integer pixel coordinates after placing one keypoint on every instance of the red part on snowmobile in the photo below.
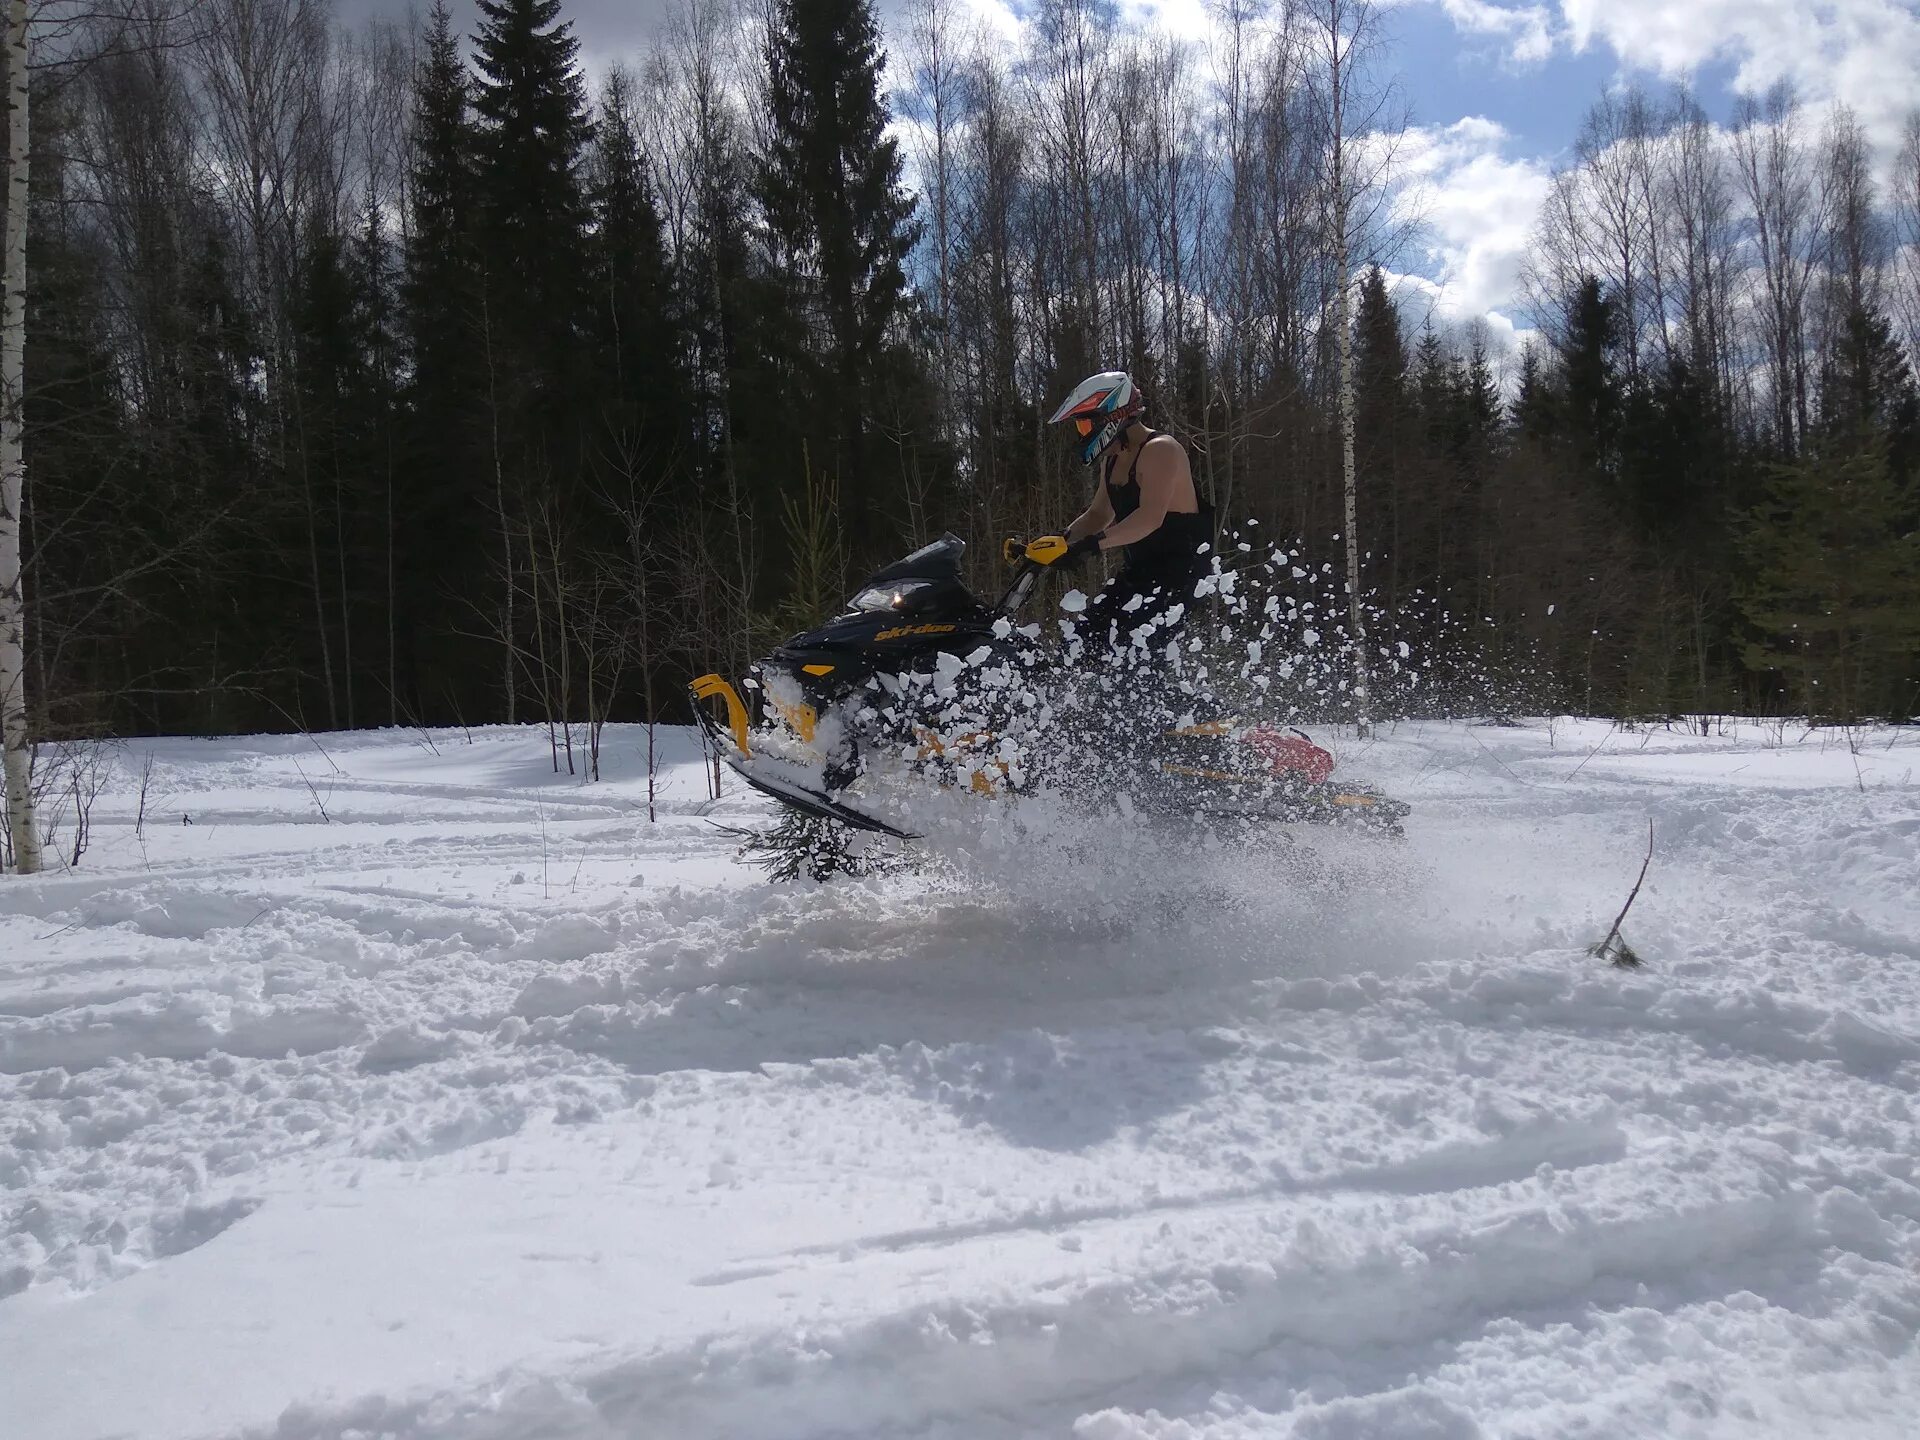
(1289, 753)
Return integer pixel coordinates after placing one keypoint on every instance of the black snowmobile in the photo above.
(916, 669)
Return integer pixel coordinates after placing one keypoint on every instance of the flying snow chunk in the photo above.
(1310, 638)
(1073, 602)
(1002, 628)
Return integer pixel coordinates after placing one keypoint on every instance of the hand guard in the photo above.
(1052, 550)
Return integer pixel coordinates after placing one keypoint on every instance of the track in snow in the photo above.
(489, 1110)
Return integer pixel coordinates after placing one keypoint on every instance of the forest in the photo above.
(410, 373)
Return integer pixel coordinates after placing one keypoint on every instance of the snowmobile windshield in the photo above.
(938, 561)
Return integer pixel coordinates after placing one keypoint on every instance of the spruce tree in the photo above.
(1834, 582)
(1433, 385)
(840, 225)
(1480, 395)
(638, 336)
(438, 287)
(439, 501)
(1590, 386)
(531, 106)
(1379, 350)
(379, 405)
(539, 393)
(331, 441)
(1867, 389)
(1382, 433)
(1534, 412)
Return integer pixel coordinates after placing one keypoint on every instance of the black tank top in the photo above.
(1176, 544)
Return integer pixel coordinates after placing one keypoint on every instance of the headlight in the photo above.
(887, 597)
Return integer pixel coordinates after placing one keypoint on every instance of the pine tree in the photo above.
(440, 497)
(1867, 389)
(841, 225)
(379, 403)
(1590, 386)
(1480, 397)
(530, 103)
(539, 393)
(1383, 434)
(1834, 587)
(438, 288)
(1379, 350)
(639, 339)
(330, 353)
(1432, 381)
(1534, 411)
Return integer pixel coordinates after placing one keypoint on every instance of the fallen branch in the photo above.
(318, 803)
(1615, 947)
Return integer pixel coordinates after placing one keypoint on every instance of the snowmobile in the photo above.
(916, 668)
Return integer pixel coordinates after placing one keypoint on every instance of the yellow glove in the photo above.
(1013, 549)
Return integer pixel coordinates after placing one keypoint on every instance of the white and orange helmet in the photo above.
(1100, 407)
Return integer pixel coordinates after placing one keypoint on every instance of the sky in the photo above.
(1497, 90)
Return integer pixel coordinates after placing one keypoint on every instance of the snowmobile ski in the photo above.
(728, 741)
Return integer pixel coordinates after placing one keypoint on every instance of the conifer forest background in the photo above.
(409, 374)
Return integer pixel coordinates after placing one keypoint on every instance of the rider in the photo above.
(1146, 505)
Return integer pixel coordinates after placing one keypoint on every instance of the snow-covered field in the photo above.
(484, 1108)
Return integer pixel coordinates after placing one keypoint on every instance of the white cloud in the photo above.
(1863, 52)
(1473, 209)
(1183, 19)
(1524, 29)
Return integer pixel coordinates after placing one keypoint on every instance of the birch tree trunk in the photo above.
(13, 335)
(1338, 48)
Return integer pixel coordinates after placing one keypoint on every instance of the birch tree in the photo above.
(1777, 183)
(18, 739)
(1697, 202)
(1906, 234)
(1343, 31)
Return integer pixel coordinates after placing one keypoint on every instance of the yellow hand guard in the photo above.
(1046, 549)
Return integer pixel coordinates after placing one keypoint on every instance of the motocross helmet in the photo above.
(1100, 407)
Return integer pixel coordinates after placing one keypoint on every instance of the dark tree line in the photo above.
(404, 376)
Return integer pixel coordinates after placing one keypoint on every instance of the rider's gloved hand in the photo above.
(1082, 548)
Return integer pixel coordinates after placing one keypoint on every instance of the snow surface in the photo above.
(484, 1108)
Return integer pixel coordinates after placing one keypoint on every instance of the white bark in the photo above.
(13, 335)
(1339, 47)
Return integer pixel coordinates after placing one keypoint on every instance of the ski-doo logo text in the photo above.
(901, 630)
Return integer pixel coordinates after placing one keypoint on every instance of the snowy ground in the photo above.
(484, 1108)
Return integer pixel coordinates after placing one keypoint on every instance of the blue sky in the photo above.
(1498, 89)
(1446, 75)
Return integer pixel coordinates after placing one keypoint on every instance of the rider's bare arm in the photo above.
(1161, 471)
(1097, 516)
